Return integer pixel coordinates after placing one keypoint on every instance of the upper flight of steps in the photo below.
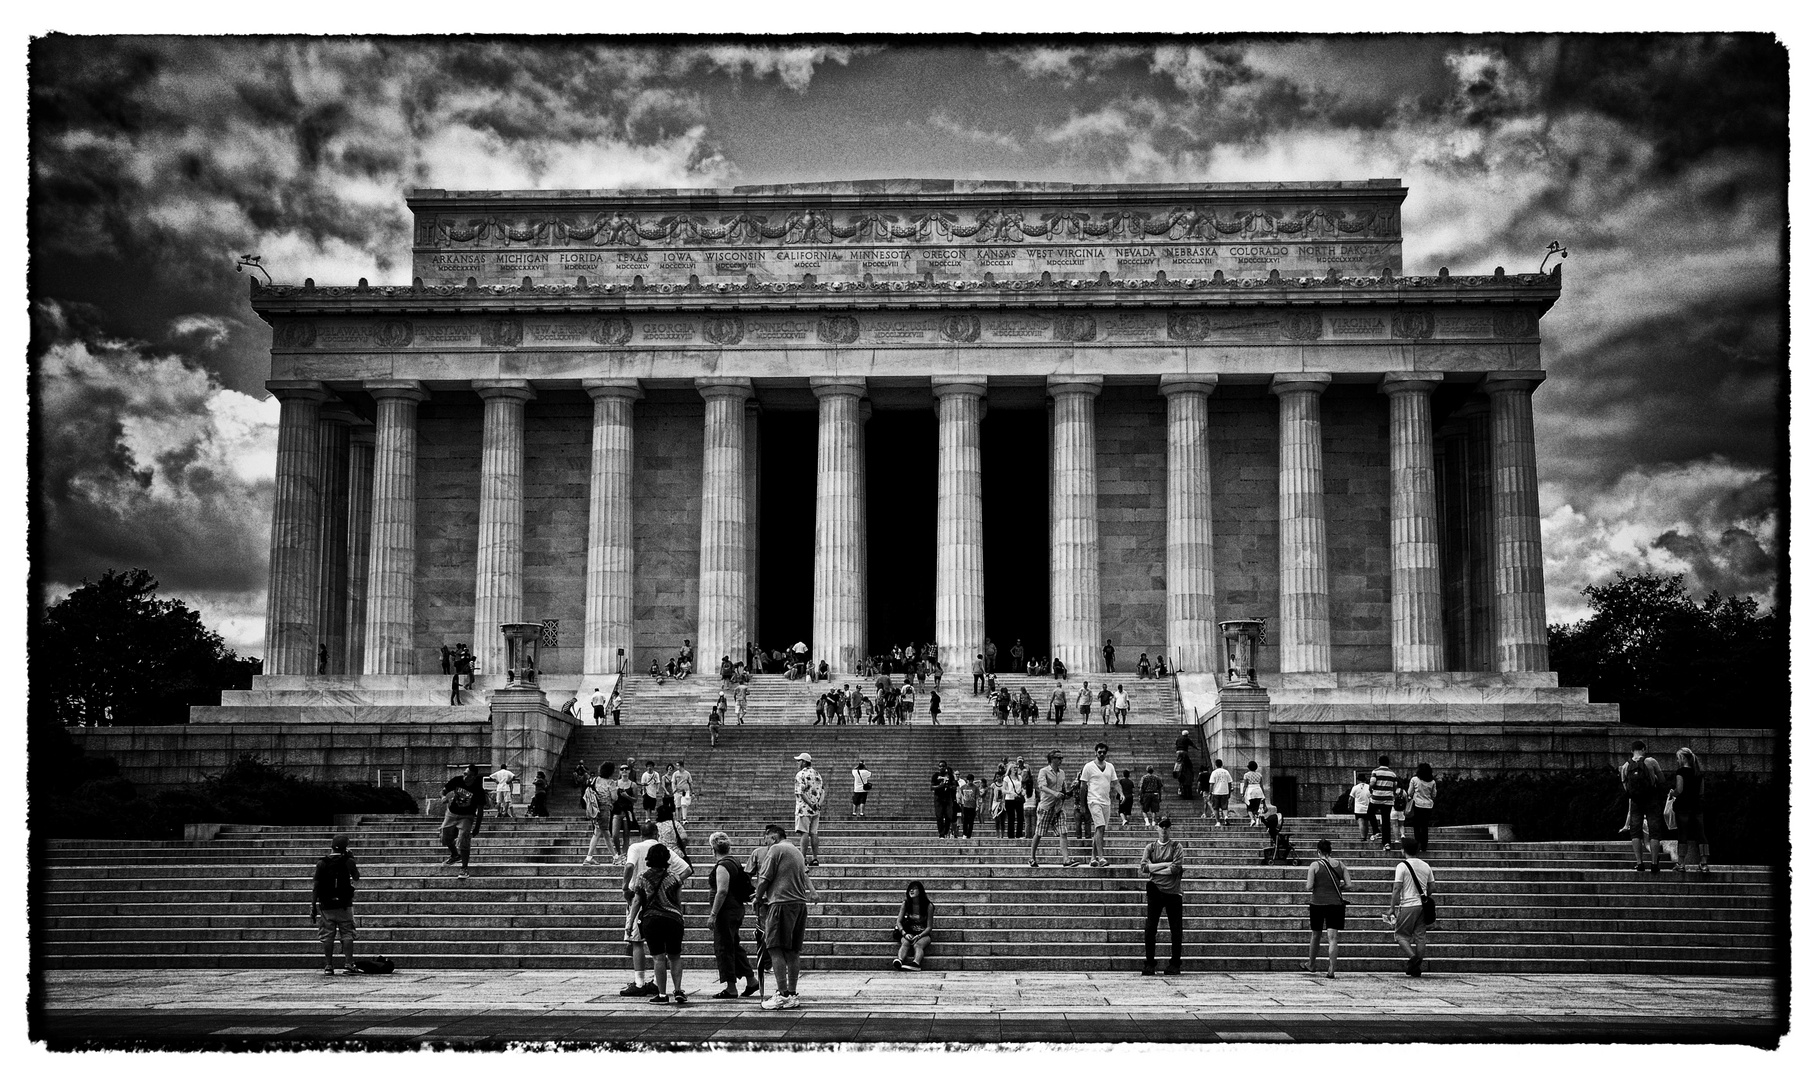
(242, 900)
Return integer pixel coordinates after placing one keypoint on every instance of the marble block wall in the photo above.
(1355, 442)
(1241, 438)
(1132, 459)
(666, 527)
(558, 450)
(448, 524)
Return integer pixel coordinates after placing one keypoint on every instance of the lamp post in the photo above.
(521, 643)
(1243, 638)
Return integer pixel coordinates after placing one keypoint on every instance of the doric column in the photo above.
(499, 549)
(359, 543)
(1191, 624)
(334, 431)
(1417, 638)
(607, 619)
(391, 578)
(724, 583)
(754, 481)
(865, 527)
(1521, 597)
(1306, 638)
(959, 521)
(838, 625)
(291, 591)
(1073, 589)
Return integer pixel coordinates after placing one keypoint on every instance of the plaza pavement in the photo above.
(272, 1008)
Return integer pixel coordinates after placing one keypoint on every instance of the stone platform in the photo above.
(238, 1009)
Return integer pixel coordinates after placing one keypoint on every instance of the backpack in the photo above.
(739, 883)
(590, 801)
(461, 800)
(1636, 780)
(332, 885)
(378, 965)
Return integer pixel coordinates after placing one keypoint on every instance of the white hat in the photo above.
(809, 758)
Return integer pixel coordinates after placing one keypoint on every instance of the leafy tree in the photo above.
(1671, 661)
(113, 652)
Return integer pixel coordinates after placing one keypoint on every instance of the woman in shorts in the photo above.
(1253, 793)
(1327, 881)
(657, 910)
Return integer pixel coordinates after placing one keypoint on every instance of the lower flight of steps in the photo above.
(242, 900)
(750, 775)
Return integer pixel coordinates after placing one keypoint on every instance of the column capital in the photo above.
(296, 390)
(335, 412)
(724, 387)
(510, 389)
(1505, 381)
(401, 389)
(837, 386)
(1075, 384)
(1289, 383)
(612, 388)
(1400, 382)
(361, 434)
(944, 385)
(1188, 384)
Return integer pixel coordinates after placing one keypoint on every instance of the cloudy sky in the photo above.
(1659, 160)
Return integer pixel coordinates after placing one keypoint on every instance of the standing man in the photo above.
(934, 704)
(636, 863)
(732, 888)
(598, 701)
(978, 674)
(782, 885)
(1052, 792)
(1163, 862)
(502, 790)
(1409, 890)
(1647, 791)
(1057, 702)
(1383, 802)
(653, 789)
(1017, 656)
(1221, 783)
(968, 803)
(809, 794)
(713, 727)
(1121, 707)
(682, 787)
(1100, 778)
(331, 904)
(991, 655)
(1108, 653)
(1105, 704)
(464, 797)
(941, 786)
(1084, 701)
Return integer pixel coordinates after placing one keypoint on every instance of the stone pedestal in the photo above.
(1520, 593)
(724, 596)
(1074, 617)
(499, 549)
(296, 552)
(1190, 620)
(1237, 730)
(838, 634)
(1306, 638)
(607, 617)
(959, 521)
(528, 735)
(1417, 641)
(391, 580)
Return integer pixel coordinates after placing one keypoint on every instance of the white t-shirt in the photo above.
(634, 856)
(653, 784)
(861, 777)
(503, 781)
(1100, 782)
(1222, 781)
(1121, 700)
(1406, 893)
(598, 700)
(1361, 798)
(680, 781)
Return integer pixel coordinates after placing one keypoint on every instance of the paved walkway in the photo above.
(240, 1008)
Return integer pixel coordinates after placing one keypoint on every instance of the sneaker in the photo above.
(896, 963)
(911, 965)
(1172, 969)
(659, 999)
(1034, 863)
(1070, 862)
(637, 989)
(451, 860)
(750, 989)
(1639, 868)
(328, 971)
(589, 861)
(354, 971)
(729, 992)
(462, 876)
(679, 998)
(791, 1002)
(1149, 968)
(774, 1002)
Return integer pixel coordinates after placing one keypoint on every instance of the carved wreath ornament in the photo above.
(991, 226)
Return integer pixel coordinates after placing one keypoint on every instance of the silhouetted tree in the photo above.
(1671, 661)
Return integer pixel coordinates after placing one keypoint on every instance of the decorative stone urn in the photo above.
(1243, 637)
(521, 642)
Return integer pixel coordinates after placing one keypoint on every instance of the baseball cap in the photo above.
(808, 758)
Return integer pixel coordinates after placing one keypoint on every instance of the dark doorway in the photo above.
(1014, 457)
(786, 528)
(900, 527)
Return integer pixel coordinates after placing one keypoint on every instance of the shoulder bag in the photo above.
(1428, 915)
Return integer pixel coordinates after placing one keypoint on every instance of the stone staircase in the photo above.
(241, 900)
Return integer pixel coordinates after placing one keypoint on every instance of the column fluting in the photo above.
(1191, 624)
(1074, 617)
(607, 618)
(959, 521)
(359, 543)
(499, 547)
(1417, 635)
(1305, 640)
(724, 581)
(1521, 594)
(391, 579)
(838, 626)
(296, 550)
(754, 483)
(334, 433)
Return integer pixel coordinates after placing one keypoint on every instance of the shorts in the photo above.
(1327, 917)
(603, 825)
(1255, 806)
(1221, 802)
(333, 921)
(859, 797)
(785, 926)
(1048, 818)
(662, 937)
(1410, 925)
(1657, 828)
(808, 824)
(1124, 806)
(1086, 710)
(650, 804)
(634, 931)
(600, 712)
(1152, 804)
(1101, 813)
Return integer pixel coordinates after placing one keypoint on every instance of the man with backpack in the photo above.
(465, 798)
(1647, 791)
(597, 803)
(331, 904)
(732, 886)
